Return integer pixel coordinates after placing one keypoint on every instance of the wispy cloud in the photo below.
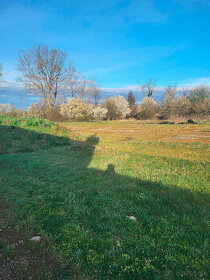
(10, 85)
(12, 92)
(108, 69)
(196, 82)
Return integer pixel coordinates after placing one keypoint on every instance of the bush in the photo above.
(199, 99)
(168, 104)
(77, 110)
(37, 109)
(196, 102)
(133, 113)
(99, 113)
(117, 107)
(32, 122)
(181, 106)
(6, 109)
(147, 109)
(41, 110)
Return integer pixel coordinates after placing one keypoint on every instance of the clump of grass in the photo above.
(15, 122)
(38, 123)
(30, 122)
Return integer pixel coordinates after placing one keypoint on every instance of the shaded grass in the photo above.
(66, 194)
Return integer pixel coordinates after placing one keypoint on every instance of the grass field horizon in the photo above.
(75, 184)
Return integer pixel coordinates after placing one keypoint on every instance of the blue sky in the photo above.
(120, 42)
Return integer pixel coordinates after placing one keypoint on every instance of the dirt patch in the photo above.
(187, 137)
(21, 258)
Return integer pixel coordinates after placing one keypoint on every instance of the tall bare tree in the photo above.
(46, 73)
(148, 88)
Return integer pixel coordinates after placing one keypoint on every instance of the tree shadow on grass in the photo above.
(82, 215)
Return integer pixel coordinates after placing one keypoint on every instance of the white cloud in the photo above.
(108, 69)
(11, 85)
(196, 82)
(11, 90)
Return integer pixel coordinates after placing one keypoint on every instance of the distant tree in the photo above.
(131, 99)
(37, 109)
(200, 100)
(199, 94)
(6, 108)
(1, 71)
(99, 113)
(77, 110)
(46, 73)
(95, 91)
(96, 95)
(147, 109)
(85, 90)
(148, 88)
(117, 107)
(169, 101)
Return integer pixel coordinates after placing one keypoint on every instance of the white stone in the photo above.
(118, 243)
(132, 218)
(35, 238)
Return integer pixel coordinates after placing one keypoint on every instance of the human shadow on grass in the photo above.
(83, 214)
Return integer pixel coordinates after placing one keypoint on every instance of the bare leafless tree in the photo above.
(1, 71)
(46, 73)
(85, 89)
(148, 88)
(95, 91)
(170, 91)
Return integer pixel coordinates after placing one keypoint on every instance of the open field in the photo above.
(75, 184)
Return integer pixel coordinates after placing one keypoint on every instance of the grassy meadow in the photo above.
(76, 184)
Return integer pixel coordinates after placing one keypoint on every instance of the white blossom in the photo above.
(117, 107)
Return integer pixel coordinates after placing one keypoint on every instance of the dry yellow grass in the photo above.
(178, 141)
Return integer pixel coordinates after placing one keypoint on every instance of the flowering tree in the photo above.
(37, 109)
(99, 113)
(74, 109)
(77, 110)
(117, 107)
(6, 108)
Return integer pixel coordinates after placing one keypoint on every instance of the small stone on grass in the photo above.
(35, 238)
(132, 218)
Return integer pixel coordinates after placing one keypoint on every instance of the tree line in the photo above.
(65, 93)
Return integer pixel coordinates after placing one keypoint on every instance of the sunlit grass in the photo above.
(76, 192)
(177, 141)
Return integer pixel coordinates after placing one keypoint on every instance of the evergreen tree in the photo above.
(131, 99)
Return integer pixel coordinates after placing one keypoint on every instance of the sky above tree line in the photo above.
(120, 42)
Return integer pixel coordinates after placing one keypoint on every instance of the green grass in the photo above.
(76, 195)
